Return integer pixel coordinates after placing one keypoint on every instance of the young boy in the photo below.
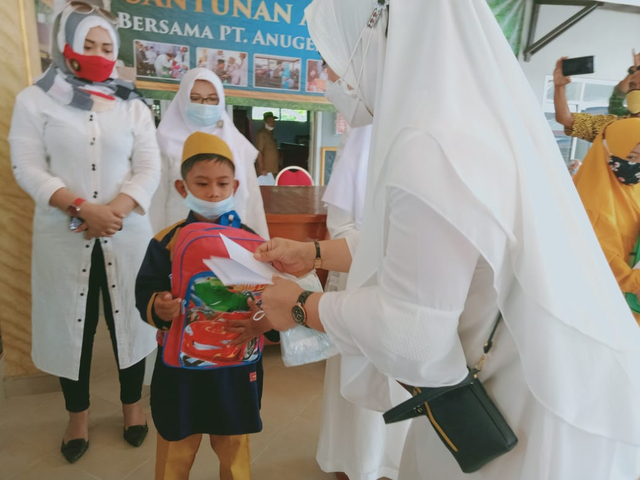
(225, 402)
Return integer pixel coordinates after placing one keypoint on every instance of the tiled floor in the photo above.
(31, 429)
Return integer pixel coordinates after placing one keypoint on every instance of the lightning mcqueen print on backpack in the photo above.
(198, 338)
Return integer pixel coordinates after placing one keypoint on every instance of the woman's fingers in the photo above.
(83, 227)
(267, 252)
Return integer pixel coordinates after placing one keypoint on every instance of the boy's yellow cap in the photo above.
(200, 142)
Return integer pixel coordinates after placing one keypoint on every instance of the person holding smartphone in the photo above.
(585, 125)
(83, 146)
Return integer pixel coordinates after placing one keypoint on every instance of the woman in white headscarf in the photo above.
(353, 440)
(83, 147)
(192, 112)
(346, 188)
(469, 211)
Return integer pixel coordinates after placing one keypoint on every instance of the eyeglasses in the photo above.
(86, 9)
(207, 101)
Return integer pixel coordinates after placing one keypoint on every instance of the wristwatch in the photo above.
(74, 209)
(298, 312)
(318, 262)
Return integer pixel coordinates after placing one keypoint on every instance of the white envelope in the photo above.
(230, 272)
(241, 267)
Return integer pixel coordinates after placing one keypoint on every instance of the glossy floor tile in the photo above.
(31, 429)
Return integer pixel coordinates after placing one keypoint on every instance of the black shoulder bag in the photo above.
(463, 415)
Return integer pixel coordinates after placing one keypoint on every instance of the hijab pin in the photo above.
(220, 124)
(375, 16)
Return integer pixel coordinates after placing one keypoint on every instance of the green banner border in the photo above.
(248, 102)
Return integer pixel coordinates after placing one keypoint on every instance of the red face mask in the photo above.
(95, 68)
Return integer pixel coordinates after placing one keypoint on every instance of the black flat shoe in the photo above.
(136, 434)
(75, 449)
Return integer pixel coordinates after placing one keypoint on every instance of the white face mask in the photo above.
(203, 115)
(268, 127)
(349, 104)
(209, 210)
(347, 101)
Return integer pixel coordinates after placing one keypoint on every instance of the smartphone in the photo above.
(578, 66)
(75, 222)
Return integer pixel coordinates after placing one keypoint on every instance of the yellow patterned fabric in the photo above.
(613, 207)
(587, 126)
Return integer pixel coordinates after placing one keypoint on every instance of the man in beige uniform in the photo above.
(268, 158)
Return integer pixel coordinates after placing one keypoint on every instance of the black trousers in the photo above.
(76, 393)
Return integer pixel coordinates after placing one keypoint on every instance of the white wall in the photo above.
(329, 137)
(609, 33)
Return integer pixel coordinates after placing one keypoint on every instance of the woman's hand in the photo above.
(288, 256)
(99, 221)
(248, 328)
(123, 205)
(277, 302)
(559, 80)
(574, 166)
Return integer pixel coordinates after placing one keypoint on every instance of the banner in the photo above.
(261, 49)
(510, 16)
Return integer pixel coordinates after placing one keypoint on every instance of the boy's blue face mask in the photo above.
(209, 210)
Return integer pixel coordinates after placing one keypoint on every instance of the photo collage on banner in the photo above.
(259, 49)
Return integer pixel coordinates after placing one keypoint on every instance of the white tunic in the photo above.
(97, 156)
(354, 439)
(424, 320)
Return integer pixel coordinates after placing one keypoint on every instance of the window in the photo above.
(283, 114)
(585, 96)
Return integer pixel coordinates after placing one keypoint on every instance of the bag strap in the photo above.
(487, 346)
(418, 404)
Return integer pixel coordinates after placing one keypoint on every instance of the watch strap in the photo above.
(302, 299)
(318, 261)
(74, 208)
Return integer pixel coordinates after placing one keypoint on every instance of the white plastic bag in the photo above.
(301, 345)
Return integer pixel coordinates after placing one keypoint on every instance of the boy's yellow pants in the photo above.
(174, 459)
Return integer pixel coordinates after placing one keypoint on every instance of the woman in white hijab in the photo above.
(353, 439)
(469, 211)
(190, 112)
